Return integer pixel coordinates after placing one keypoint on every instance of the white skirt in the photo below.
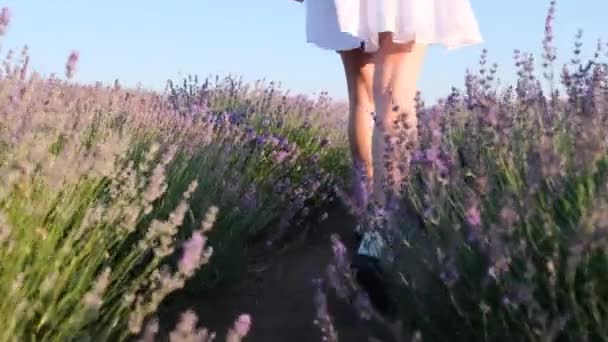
(349, 24)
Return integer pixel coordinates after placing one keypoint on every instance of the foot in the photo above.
(371, 242)
(366, 262)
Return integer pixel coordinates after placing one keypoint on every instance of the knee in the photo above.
(363, 107)
(385, 126)
(362, 102)
(382, 91)
(397, 121)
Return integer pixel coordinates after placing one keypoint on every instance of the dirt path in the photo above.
(280, 298)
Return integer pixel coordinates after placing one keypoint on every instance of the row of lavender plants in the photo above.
(110, 198)
(502, 233)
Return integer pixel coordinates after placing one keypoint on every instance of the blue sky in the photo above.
(150, 41)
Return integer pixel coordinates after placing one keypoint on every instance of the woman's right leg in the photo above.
(359, 71)
(397, 67)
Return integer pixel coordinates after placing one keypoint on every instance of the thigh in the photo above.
(401, 63)
(359, 72)
(398, 67)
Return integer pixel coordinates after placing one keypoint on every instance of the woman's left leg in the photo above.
(397, 67)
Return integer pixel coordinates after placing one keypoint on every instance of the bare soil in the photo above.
(278, 293)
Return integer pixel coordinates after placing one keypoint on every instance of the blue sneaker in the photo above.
(371, 245)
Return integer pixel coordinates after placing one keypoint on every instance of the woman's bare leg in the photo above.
(359, 70)
(397, 67)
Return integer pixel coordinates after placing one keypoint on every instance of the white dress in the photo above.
(349, 24)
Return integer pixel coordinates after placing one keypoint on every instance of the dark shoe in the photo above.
(372, 280)
(358, 234)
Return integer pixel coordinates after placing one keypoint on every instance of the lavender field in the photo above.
(124, 211)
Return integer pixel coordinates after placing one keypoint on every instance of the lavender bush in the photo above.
(267, 159)
(107, 195)
(502, 231)
(70, 205)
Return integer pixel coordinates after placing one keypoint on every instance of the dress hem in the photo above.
(447, 46)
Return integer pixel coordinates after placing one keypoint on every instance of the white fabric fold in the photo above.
(345, 24)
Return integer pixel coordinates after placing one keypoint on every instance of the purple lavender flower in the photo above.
(418, 157)
(274, 141)
(281, 156)
(242, 325)
(432, 154)
(323, 318)
(339, 251)
(219, 119)
(473, 215)
(5, 19)
(193, 250)
(549, 55)
(335, 279)
(70, 66)
(260, 140)
(235, 118)
(283, 143)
